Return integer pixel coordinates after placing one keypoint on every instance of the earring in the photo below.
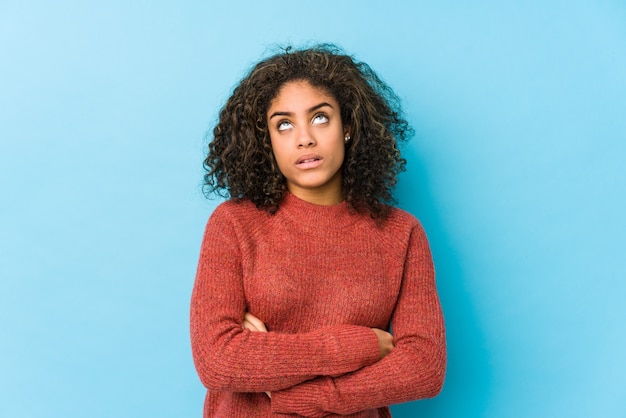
(346, 139)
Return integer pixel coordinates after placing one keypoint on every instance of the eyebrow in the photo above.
(313, 109)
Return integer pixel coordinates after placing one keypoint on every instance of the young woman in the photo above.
(304, 269)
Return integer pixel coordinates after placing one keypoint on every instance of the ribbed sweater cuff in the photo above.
(308, 398)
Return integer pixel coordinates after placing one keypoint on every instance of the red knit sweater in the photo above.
(319, 277)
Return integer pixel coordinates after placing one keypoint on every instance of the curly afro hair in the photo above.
(240, 163)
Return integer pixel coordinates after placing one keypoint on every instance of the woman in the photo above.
(305, 268)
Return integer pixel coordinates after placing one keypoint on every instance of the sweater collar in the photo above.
(310, 214)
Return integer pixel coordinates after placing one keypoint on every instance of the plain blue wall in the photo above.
(517, 172)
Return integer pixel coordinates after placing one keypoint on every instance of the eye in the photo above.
(319, 119)
(283, 125)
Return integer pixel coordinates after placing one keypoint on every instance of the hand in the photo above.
(385, 341)
(254, 324)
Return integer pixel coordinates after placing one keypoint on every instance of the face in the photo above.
(307, 137)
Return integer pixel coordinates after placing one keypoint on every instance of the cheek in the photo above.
(341, 152)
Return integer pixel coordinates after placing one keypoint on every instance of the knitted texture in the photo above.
(319, 277)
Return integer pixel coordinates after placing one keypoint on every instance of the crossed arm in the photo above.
(385, 339)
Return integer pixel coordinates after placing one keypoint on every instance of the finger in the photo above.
(256, 322)
(249, 326)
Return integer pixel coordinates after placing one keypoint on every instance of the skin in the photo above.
(308, 140)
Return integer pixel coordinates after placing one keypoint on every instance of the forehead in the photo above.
(300, 94)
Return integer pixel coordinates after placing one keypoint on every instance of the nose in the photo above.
(305, 139)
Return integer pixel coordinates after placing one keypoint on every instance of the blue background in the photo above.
(516, 170)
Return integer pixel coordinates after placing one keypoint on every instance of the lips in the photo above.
(309, 161)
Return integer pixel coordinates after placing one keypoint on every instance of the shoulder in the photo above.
(399, 218)
(234, 223)
(402, 226)
(234, 207)
(237, 213)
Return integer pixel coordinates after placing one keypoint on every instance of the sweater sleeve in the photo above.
(414, 369)
(229, 358)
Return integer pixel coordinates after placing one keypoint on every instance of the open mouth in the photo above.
(309, 161)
